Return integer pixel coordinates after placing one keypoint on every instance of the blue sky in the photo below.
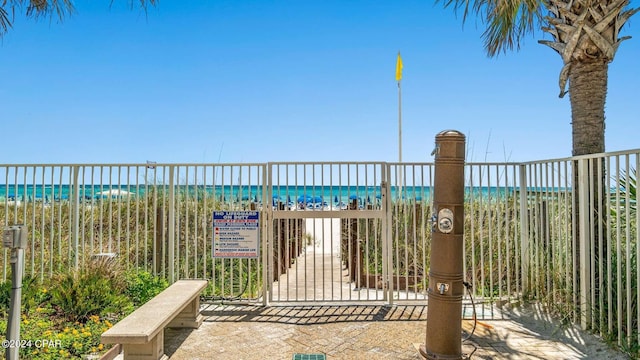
(258, 81)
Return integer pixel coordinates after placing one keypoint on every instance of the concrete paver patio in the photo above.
(376, 331)
(371, 332)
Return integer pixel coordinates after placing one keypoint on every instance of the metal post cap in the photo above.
(450, 133)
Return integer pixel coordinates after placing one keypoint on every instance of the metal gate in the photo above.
(328, 233)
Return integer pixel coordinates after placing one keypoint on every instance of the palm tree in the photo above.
(45, 9)
(586, 34)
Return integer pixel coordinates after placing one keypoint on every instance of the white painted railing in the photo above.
(564, 231)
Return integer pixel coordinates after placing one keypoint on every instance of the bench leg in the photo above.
(153, 350)
(190, 317)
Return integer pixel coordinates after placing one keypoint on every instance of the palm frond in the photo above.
(33, 9)
(5, 22)
(143, 4)
(507, 21)
(36, 9)
(50, 8)
(627, 182)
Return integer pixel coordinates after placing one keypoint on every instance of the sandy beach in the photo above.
(325, 233)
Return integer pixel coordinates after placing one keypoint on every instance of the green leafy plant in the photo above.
(5, 298)
(72, 310)
(629, 182)
(32, 296)
(93, 289)
(142, 286)
(58, 340)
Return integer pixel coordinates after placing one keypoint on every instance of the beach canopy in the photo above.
(304, 198)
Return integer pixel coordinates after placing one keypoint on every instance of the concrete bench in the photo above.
(142, 332)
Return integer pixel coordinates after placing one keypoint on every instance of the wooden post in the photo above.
(285, 241)
(354, 246)
(159, 242)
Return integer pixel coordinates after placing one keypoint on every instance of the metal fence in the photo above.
(563, 231)
(154, 217)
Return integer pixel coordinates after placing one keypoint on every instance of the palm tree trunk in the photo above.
(588, 92)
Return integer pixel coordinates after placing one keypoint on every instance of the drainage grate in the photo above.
(309, 357)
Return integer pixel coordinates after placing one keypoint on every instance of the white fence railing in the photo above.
(564, 231)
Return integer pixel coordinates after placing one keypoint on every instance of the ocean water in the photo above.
(289, 194)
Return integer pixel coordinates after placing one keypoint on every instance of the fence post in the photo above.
(584, 248)
(267, 235)
(76, 216)
(172, 225)
(524, 232)
(387, 257)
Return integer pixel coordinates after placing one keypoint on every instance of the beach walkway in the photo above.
(319, 273)
(317, 276)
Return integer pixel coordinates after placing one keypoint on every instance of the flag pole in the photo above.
(399, 122)
(399, 80)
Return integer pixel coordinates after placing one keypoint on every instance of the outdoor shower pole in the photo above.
(444, 310)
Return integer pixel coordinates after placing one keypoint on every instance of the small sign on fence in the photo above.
(236, 234)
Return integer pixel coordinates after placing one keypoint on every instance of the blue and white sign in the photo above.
(236, 234)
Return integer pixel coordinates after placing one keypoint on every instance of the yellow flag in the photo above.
(399, 68)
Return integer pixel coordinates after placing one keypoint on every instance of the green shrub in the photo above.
(32, 296)
(64, 340)
(76, 307)
(5, 298)
(142, 286)
(94, 289)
